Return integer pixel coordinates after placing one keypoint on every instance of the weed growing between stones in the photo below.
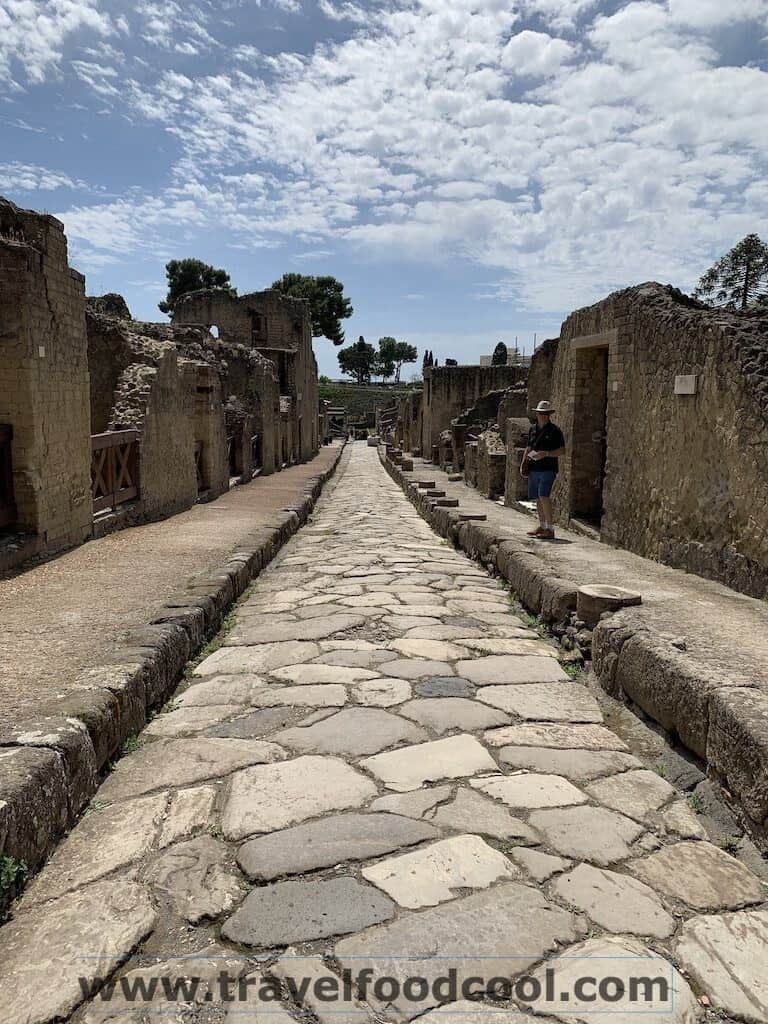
(696, 803)
(213, 644)
(13, 874)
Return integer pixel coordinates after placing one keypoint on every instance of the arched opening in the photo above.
(214, 330)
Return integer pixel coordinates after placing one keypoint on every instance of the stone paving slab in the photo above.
(727, 957)
(488, 934)
(44, 949)
(624, 959)
(410, 767)
(618, 903)
(700, 875)
(354, 732)
(182, 763)
(329, 841)
(438, 872)
(303, 911)
(269, 797)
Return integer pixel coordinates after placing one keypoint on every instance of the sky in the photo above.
(472, 170)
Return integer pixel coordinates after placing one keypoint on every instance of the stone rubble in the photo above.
(381, 767)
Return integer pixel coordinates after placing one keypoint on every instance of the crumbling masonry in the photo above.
(106, 421)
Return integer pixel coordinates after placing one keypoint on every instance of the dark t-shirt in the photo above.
(548, 438)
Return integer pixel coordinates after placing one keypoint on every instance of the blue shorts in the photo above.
(540, 483)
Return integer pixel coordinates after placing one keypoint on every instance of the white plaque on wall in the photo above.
(685, 384)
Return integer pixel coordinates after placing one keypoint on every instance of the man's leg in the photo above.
(545, 513)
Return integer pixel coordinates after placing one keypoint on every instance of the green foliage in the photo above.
(393, 354)
(131, 745)
(12, 873)
(696, 803)
(327, 301)
(731, 844)
(189, 276)
(500, 355)
(323, 379)
(740, 279)
(358, 360)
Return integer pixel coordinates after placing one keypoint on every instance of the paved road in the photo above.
(382, 770)
(71, 614)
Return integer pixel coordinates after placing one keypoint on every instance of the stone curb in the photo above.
(722, 719)
(51, 765)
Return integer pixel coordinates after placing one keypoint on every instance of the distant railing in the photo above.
(114, 468)
(7, 503)
(232, 456)
(199, 466)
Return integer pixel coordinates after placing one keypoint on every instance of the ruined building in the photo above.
(450, 390)
(106, 421)
(664, 406)
(279, 329)
(45, 436)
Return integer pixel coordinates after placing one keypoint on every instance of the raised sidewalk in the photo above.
(693, 656)
(93, 640)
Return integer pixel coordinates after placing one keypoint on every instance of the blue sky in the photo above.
(471, 169)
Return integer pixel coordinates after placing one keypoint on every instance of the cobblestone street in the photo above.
(381, 766)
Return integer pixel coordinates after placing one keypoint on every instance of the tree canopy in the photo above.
(358, 360)
(500, 355)
(393, 354)
(190, 275)
(327, 301)
(740, 278)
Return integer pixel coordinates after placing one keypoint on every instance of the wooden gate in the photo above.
(7, 503)
(114, 468)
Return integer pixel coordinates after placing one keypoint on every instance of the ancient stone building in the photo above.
(45, 433)
(449, 390)
(664, 405)
(279, 329)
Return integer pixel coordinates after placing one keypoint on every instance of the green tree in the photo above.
(385, 358)
(396, 353)
(358, 360)
(327, 301)
(500, 355)
(189, 276)
(740, 278)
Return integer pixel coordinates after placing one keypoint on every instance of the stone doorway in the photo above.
(590, 434)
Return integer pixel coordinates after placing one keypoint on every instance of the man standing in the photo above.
(545, 444)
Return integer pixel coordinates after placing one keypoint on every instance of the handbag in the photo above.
(525, 465)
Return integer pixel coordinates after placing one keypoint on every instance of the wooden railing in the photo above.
(114, 468)
(7, 503)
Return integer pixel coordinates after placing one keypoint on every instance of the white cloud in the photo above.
(593, 152)
(709, 14)
(33, 33)
(535, 53)
(19, 177)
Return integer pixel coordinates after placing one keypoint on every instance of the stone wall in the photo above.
(449, 390)
(540, 374)
(44, 383)
(159, 401)
(278, 328)
(491, 463)
(686, 474)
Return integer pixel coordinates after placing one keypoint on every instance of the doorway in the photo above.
(590, 434)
